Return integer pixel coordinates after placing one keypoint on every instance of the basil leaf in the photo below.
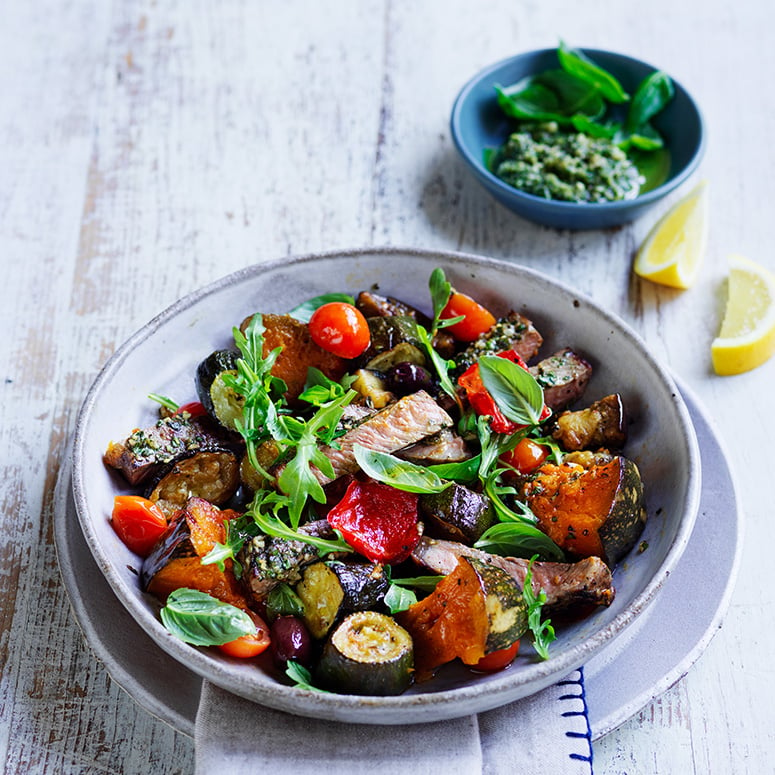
(513, 389)
(645, 138)
(530, 103)
(651, 96)
(517, 539)
(399, 599)
(198, 618)
(301, 677)
(400, 474)
(573, 94)
(283, 601)
(303, 311)
(588, 126)
(576, 63)
(465, 471)
(426, 583)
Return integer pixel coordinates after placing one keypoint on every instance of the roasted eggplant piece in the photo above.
(298, 352)
(220, 401)
(175, 561)
(602, 424)
(594, 511)
(268, 562)
(329, 590)
(212, 474)
(368, 654)
(372, 305)
(443, 447)
(514, 332)
(145, 451)
(372, 388)
(457, 513)
(475, 610)
(567, 585)
(563, 376)
(387, 333)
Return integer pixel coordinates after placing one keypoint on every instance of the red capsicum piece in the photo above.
(377, 520)
(483, 403)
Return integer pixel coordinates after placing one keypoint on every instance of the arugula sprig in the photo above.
(543, 631)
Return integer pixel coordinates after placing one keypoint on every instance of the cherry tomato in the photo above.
(526, 456)
(340, 329)
(249, 646)
(378, 520)
(497, 660)
(478, 319)
(193, 408)
(138, 522)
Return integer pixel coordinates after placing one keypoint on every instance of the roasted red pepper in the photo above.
(377, 520)
(483, 403)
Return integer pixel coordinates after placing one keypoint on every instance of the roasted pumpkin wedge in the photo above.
(175, 561)
(220, 401)
(212, 474)
(367, 654)
(475, 610)
(457, 513)
(329, 590)
(594, 511)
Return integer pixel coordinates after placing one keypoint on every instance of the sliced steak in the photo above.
(563, 376)
(444, 447)
(587, 582)
(405, 422)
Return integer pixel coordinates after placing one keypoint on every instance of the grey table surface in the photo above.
(147, 148)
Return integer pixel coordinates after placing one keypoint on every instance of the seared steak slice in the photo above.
(405, 422)
(514, 332)
(147, 450)
(563, 376)
(587, 582)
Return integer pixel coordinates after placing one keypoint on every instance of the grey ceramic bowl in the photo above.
(162, 356)
(478, 123)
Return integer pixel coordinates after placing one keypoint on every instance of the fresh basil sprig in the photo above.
(400, 594)
(516, 539)
(543, 632)
(200, 619)
(651, 96)
(301, 677)
(514, 389)
(303, 311)
(577, 63)
(398, 473)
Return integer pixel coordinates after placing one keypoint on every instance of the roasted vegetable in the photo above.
(595, 511)
(602, 424)
(368, 654)
(175, 561)
(212, 474)
(476, 609)
(387, 333)
(443, 447)
(372, 387)
(298, 353)
(220, 401)
(147, 450)
(457, 513)
(563, 376)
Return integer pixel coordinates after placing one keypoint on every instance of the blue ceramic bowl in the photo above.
(478, 123)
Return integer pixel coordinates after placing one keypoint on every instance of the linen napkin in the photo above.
(546, 733)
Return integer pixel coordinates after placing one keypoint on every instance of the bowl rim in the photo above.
(421, 707)
(558, 205)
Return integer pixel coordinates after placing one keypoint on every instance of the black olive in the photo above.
(405, 378)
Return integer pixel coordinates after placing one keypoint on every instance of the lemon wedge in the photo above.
(675, 247)
(747, 336)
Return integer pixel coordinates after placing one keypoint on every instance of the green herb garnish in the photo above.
(167, 403)
(398, 473)
(301, 677)
(303, 311)
(543, 632)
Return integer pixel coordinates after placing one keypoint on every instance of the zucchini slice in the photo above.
(329, 590)
(368, 654)
(220, 401)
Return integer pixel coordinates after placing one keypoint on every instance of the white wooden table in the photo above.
(147, 148)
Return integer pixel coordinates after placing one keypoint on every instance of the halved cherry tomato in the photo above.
(478, 319)
(138, 522)
(483, 403)
(249, 646)
(526, 456)
(340, 329)
(194, 408)
(497, 660)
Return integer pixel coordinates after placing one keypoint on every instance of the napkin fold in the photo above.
(546, 733)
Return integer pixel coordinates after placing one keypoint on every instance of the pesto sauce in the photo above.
(573, 167)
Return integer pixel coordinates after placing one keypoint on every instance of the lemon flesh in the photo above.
(673, 251)
(747, 336)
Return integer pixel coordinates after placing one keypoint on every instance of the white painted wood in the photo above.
(147, 148)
